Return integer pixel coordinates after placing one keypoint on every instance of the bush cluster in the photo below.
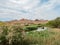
(30, 28)
(54, 23)
(12, 36)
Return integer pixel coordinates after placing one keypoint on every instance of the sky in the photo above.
(29, 9)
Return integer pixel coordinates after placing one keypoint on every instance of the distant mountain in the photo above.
(26, 21)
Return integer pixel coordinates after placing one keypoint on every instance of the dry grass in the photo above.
(47, 37)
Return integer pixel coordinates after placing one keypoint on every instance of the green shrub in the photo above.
(54, 23)
(3, 34)
(11, 36)
(30, 28)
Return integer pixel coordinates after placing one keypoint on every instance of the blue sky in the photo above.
(29, 9)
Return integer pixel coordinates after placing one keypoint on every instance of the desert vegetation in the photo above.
(27, 34)
(54, 23)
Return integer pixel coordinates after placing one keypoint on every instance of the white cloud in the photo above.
(32, 9)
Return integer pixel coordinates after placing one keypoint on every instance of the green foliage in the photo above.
(30, 28)
(39, 25)
(33, 27)
(14, 35)
(54, 23)
(11, 36)
(41, 38)
(3, 34)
